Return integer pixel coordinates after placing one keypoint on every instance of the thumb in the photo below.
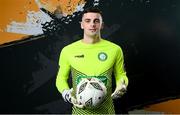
(112, 95)
(75, 103)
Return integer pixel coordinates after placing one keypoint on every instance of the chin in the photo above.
(93, 34)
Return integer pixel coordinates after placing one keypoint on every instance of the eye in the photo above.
(96, 21)
(87, 20)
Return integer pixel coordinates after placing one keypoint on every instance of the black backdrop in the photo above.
(147, 31)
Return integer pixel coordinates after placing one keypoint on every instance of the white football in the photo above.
(91, 92)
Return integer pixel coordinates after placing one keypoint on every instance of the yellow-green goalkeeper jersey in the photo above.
(92, 60)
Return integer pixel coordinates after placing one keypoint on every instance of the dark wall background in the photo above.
(147, 31)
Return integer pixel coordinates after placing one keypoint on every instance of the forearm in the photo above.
(62, 79)
(121, 86)
(61, 84)
(122, 79)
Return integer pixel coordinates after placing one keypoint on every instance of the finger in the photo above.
(112, 94)
(73, 100)
(78, 105)
(71, 90)
(116, 94)
(75, 103)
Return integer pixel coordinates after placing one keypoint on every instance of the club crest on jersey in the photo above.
(102, 56)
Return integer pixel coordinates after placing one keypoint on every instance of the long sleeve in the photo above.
(119, 71)
(63, 73)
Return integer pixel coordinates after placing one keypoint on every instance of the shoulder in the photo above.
(71, 46)
(112, 45)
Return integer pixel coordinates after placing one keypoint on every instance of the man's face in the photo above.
(91, 23)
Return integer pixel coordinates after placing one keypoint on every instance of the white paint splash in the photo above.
(80, 8)
(96, 2)
(34, 20)
(32, 26)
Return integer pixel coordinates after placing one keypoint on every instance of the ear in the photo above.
(102, 26)
(81, 25)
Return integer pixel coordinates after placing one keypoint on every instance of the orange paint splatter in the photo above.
(16, 10)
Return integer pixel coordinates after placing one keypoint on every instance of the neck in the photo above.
(91, 40)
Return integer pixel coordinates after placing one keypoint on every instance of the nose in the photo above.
(93, 24)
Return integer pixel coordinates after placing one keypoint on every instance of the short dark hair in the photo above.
(93, 10)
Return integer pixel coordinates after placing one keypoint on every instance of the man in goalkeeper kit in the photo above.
(90, 57)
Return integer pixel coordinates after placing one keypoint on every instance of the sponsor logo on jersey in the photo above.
(102, 56)
(104, 79)
(79, 56)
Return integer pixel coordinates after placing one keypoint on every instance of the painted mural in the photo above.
(21, 18)
(33, 32)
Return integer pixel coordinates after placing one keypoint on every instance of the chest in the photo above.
(92, 59)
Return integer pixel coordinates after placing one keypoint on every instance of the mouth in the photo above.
(92, 30)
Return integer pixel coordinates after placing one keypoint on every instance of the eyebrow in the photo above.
(86, 19)
(97, 19)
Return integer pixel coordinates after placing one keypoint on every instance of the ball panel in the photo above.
(89, 103)
(82, 87)
(96, 85)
